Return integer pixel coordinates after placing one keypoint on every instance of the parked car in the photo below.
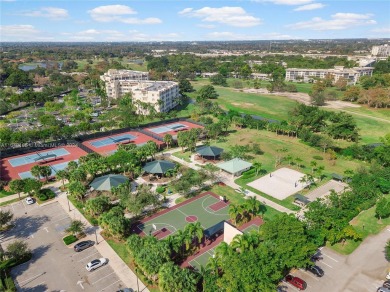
(316, 270)
(126, 290)
(29, 201)
(83, 245)
(296, 282)
(383, 289)
(93, 265)
(386, 284)
(388, 276)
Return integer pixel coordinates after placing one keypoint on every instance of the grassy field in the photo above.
(373, 123)
(366, 224)
(186, 156)
(4, 193)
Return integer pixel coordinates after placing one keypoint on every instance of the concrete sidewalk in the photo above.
(125, 274)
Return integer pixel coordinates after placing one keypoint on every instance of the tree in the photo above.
(76, 227)
(17, 250)
(206, 92)
(45, 171)
(218, 80)
(253, 206)
(32, 186)
(382, 209)
(313, 165)
(5, 217)
(234, 211)
(36, 171)
(98, 205)
(114, 221)
(168, 140)
(352, 93)
(387, 249)
(185, 86)
(257, 166)
(173, 278)
(62, 175)
(17, 186)
(76, 189)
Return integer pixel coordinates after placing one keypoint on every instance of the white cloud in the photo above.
(209, 26)
(225, 35)
(118, 13)
(312, 6)
(338, 21)
(48, 12)
(382, 29)
(286, 2)
(23, 32)
(233, 16)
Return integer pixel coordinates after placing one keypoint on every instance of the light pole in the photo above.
(97, 242)
(68, 201)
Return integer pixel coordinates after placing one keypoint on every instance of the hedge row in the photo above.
(69, 239)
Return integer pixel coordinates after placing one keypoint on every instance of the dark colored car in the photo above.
(316, 270)
(383, 289)
(83, 245)
(296, 282)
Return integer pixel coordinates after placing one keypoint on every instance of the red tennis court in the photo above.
(109, 144)
(17, 167)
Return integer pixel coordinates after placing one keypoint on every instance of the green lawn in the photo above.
(4, 193)
(277, 107)
(366, 224)
(186, 156)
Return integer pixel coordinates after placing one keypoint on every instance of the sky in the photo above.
(182, 20)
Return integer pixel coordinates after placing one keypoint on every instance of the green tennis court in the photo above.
(207, 208)
(203, 259)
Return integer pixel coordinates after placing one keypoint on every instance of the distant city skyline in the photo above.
(181, 20)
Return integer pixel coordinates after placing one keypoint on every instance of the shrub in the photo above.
(42, 197)
(160, 189)
(318, 157)
(9, 283)
(69, 239)
(48, 193)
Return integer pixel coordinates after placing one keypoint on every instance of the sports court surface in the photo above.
(206, 208)
(203, 256)
(109, 144)
(280, 184)
(172, 128)
(18, 167)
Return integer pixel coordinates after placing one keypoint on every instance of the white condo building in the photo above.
(162, 94)
(381, 51)
(309, 75)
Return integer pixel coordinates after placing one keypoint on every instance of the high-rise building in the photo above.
(381, 51)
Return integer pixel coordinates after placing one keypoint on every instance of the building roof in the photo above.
(158, 166)
(235, 165)
(209, 151)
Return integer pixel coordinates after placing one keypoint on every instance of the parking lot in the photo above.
(54, 266)
(364, 270)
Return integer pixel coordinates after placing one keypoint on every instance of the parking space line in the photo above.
(32, 278)
(315, 278)
(327, 264)
(28, 289)
(109, 285)
(330, 258)
(103, 278)
(88, 256)
(66, 217)
(289, 285)
(63, 213)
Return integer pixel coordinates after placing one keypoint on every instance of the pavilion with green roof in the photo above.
(209, 151)
(235, 166)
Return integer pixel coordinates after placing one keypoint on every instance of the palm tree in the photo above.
(17, 186)
(253, 206)
(76, 227)
(36, 171)
(313, 164)
(62, 175)
(303, 180)
(223, 250)
(257, 166)
(168, 140)
(213, 265)
(234, 211)
(298, 160)
(320, 171)
(45, 171)
(289, 157)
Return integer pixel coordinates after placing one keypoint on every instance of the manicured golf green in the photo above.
(194, 210)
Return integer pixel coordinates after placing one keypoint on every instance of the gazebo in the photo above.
(209, 151)
(235, 166)
(107, 182)
(158, 167)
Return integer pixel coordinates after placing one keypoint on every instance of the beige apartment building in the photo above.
(309, 75)
(162, 95)
(381, 51)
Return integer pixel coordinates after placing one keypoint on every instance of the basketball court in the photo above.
(207, 208)
(172, 128)
(280, 184)
(109, 144)
(19, 167)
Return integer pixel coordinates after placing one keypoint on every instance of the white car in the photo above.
(29, 201)
(93, 265)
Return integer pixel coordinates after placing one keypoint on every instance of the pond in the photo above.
(32, 66)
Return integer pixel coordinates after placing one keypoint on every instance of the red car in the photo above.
(296, 282)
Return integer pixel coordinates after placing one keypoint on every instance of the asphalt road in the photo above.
(364, 270)
(54, 266)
